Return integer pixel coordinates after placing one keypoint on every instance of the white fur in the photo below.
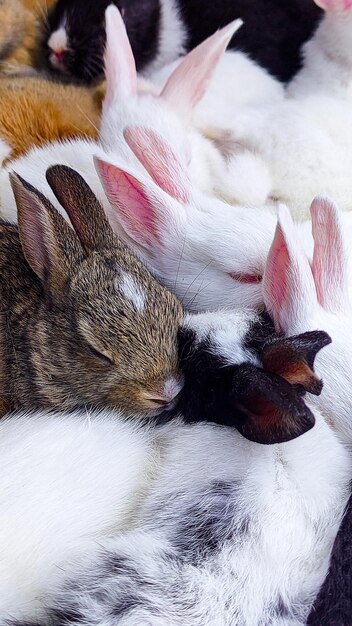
(133, 292)
(288, 500)
(5, 151)
(58, 39)
(304, 140)
(172, 36)
(67, 482)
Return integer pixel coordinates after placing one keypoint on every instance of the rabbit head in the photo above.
(210, 254)
(129, 102)
(240, 373)
(104, 332)
(301, 296)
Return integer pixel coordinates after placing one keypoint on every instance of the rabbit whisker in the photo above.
(196, 278)
(179, 262)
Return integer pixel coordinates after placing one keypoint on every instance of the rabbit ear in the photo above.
(271, 409)
(329, 258)
(160, 161)
(45, 236)
(188, 82)
(120, 67)
(141, 208)
(84, 210)
(293, 358)
(288, 285)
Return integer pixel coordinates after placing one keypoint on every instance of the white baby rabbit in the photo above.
(231, 532)
(209, 253)
(304, 140)
(125, 104)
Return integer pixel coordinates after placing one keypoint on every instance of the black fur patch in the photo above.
(86, 33)
(272, 34)
(333, 606)
(206, 521)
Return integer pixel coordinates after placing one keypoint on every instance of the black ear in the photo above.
(49, 244)
(83, 208)
(270, 410)
(293, 358)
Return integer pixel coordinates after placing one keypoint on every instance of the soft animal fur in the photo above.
(35, 111)
(297, 305)
(19, 34)
(230, 532)
(210, 254)
(159, 30)
(201, 503)
(82, 320)
(303, 140)
(169, 113)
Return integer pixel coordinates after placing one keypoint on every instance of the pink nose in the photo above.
(59, 54)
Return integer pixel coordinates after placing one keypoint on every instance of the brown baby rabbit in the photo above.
(83, 322)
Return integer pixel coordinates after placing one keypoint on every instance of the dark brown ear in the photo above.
(83, 208)
(293, 359)
(49, 244)
(271, 410)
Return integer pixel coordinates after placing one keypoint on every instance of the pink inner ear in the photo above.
(329, 262)
(276, 277)
(188, 83)
(131, 203)
(120, 67)
(160, 161)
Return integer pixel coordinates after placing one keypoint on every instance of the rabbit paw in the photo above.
(334, 6)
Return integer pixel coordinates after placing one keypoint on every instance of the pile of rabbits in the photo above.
(175, 361)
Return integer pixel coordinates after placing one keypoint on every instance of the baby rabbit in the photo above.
(209, 253)
(230, 532)
(304, 140)
(319, 296)
(83, 322)
(160, 30)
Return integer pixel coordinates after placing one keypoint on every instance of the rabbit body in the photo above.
(80, 309)
(160, 30)
(303, 139)
(212, 504)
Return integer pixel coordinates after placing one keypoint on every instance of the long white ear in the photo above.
(120, 67)
(329, 259)
(189, 81)
(145, 212)
(288, 285)
(160, 160)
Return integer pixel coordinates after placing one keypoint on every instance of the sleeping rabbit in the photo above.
(83, 323)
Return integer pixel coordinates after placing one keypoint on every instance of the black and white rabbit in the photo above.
(160, 30)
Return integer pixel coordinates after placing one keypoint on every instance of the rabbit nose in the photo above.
(162, 398)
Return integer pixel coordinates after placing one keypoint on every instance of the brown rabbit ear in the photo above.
(83, 208)
(293, 359)
(48, 242)
(272, 410)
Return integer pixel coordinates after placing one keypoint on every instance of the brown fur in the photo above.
(20, 24)
(61, 306)
(34, 111)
